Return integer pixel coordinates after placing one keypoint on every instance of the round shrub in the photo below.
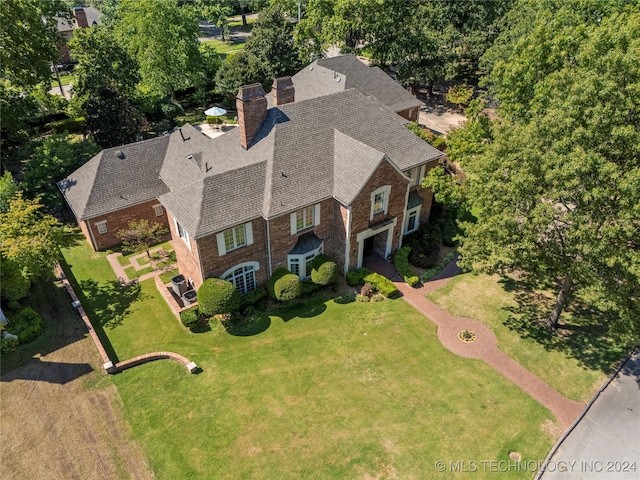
(13, 285)
(323, 270)
(287, 287)
(27, 324)
(190, 317)
(217, 296)
(277, 274)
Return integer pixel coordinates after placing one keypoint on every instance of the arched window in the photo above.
(242, 276)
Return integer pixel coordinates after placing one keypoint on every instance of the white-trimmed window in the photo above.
(305, 218)
(159, 210)
(300, 265)
(182, 233)
(243, 276)
(416, 175)
(102, 227)
(413, 220)
(380, 201)
(234, 237)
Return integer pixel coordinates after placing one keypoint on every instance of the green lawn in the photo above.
(224, 48)
(64, 79)
(318, 390)
(575, 364)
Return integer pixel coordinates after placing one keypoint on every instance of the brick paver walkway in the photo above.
(483, 347)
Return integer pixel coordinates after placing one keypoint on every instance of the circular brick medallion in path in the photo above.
(483, 342)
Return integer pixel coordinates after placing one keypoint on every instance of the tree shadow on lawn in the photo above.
(110, 302)
(248, 325)
(588, 338)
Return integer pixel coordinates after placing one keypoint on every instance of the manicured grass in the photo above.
(64, 79)
(575, 364)
(321, 389)
(167, 276)
(224, 48)
(326, 391)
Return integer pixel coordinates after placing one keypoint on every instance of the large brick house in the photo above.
(337, 174)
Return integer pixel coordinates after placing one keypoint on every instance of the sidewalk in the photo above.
(483, 347)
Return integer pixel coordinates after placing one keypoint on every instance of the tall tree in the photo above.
(111, 118)
(102, 61)
(162, 36)
(556, 186)
(271, 41)
(216, 12)
(28, 39)
(53, 159)
(30, 238)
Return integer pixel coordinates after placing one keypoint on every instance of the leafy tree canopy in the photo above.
(102, 62)
(140, 235)
(28, 39)
(556, 183)
(29, 238)
(163, 38)
(52, 160)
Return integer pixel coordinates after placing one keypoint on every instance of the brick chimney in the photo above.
(283, 91)
(81, 17)
(251, 104)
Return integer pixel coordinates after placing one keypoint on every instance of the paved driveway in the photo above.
(605, 444)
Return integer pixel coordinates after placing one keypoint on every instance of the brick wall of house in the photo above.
(385, 174)
(427, 200)
(215, 265)
(410, 114)
(338, 234)
(186, 255)
(282, 241)
(119, 220)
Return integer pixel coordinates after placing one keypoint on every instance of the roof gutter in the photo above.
(269, 248)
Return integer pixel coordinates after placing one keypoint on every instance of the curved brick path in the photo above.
(485, 345)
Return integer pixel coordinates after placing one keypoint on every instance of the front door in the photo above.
(368, 246)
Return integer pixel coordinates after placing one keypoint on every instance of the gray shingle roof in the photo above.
(217, 202)
(107, 183)
(304, 152)
(331, 75)
(303, 163)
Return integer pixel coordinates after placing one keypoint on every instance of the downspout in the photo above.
(404, 213)
(269, 248)
(93, 240)
(347, 245)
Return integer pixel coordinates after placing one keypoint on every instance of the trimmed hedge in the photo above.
(401, 262)
(217, 296)
(323, 270)
(438, 268)
(27, 324)
(378, 282)
(356, 277)
(190, 317)
(70, 125)
(284, 285)
(252, 298)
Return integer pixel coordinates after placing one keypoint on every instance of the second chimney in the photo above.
(251, 104)
(81, 17)
(283, 91)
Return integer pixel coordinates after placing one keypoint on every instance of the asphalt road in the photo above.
(605, 443)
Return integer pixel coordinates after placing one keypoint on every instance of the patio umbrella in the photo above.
(215, 112)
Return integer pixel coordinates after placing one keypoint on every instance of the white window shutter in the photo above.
(221, 248)
(248, 232)
(316, 220)
(294, 228)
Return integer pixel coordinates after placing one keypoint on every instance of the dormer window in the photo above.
(380, 201)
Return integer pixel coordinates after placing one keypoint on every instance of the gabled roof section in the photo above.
(306, 148)
(116, 178)
(326, 76)
(216, 202)
(354, 163)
